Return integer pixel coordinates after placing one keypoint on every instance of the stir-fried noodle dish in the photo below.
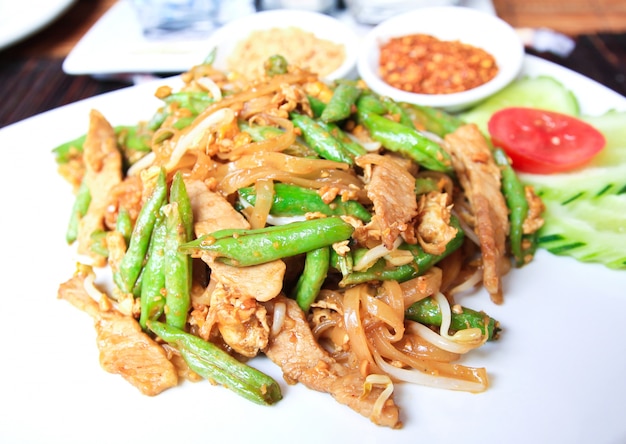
(314, 222)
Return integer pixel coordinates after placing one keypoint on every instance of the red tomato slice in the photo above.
(544, 142)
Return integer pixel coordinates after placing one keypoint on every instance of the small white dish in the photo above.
(226, 38)
(447, 23)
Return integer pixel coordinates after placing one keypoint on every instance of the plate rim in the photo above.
(25, 29)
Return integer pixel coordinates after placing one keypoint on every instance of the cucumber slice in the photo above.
(613, 126)
(588, 230)
(585, 215)
(588, 183)
(541, 92)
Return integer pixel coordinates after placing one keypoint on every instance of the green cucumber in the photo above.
(587, 230)
(541, 92)
(613, 125)
(585, 215)
(588, 183)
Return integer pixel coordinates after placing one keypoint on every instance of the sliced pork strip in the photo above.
(480, 178)
(240, 319)
(302, 359)
(391, 188)
(212, 212)
(124, 348)
(103, 171)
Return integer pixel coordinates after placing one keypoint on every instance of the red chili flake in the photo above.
(423, 64)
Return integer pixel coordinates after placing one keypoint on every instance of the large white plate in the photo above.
(557, 374)
(115, 44)
(22, 18)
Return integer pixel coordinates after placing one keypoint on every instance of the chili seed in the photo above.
(422, 63)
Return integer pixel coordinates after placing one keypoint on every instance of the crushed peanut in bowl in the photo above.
(299, 47)
(424, 64)
(310, 40)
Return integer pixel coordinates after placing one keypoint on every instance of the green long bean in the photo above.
(427, 311)
(193, 101)
(353, 148)
(293, 200)
(320, 140)
(178, 194)
(133, 138)
(252, 247)
(395, 109)
(79, 209)
(124, 224)
(276, 65)
(133, 260)
(152, 297)
(66, 151)
(342, 262)
(515, 195)
(339, 107)
(317, 106)
(369, 102)
(214, 364)
(406, 141)
(431, 119)
(176, 268)
(316, 265)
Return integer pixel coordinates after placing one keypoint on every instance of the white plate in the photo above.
(115, 44)
(557, 374)
(21, 18)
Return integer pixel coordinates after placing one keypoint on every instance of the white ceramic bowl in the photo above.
(476, 28)
(323, 26)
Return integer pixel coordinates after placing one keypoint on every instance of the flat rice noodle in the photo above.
(340, 180)
(355, 328)
(377, 311)
(420, 348)
(421, 287)
(257, 90)
(257, 215)
(285, 162)
(391, 293)
(273, 144)
(434, 368)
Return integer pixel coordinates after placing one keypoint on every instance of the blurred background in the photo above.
(32, 78)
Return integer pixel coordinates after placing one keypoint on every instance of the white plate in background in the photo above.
(115, 44)
(20, 19)
(556, 373)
